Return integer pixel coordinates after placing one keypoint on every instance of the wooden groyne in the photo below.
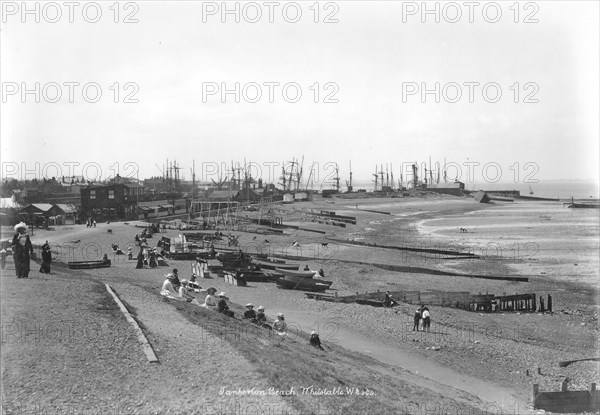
(487, 303)
(373, 211)
(408, 248)
(335, 217)
(329, 222)
(407, 269)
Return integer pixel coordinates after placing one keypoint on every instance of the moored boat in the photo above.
(578, 205)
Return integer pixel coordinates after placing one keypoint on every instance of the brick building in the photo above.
(111, 201)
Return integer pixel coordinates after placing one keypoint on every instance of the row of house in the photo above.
(38, 214)
(122, 199)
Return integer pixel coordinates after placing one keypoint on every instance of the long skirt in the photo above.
(45, 268)
(21, 265)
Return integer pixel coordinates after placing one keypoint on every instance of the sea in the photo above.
(553, 189)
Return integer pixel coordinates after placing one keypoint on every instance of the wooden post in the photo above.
(534, 307)
(593, 402)
(536, 391)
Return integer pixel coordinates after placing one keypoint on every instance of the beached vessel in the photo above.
(293, 273)
(307, 280)
(88, 264)
(250, 276)
(577, 205)
(304, 284)
(274, 265)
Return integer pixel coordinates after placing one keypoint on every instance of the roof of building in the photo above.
(44, 207)
(9, 203)
(67, 208)
(221, 194)
(131, 184)
(101, 185)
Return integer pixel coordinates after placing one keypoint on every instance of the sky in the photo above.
(503, 91)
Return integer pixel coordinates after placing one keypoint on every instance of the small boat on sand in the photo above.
(88, 264)
(304, 284)
(577, 205)
(293, 273)
(274, 265)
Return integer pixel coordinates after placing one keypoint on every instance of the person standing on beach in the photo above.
(416, 319)
(140, 260)
(426, 319)
(152, 255)
(22, 248)
(46, 259)
(3, 255)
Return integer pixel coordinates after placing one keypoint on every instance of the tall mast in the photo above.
(376, 177)
(445, 177)
(430, 172)
(350, 186)
(415, 175)
(193, 178)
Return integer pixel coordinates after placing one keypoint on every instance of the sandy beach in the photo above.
(495, 357)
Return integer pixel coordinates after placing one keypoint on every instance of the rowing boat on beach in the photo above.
(304, 284)
(88, 264)
(293, 273)
(274, 265)
(306, 280)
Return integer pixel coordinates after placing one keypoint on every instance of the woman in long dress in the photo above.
(46, 258)
(140, 260)
(22, 249)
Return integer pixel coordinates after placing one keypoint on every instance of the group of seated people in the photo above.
(116, 250)
(257, 317)
(179, 289)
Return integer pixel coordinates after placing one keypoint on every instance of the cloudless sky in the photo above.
(365, 61)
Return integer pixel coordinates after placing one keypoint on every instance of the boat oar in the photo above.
(568, 362)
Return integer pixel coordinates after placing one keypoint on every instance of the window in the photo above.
(92, 194)
(111, 194)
